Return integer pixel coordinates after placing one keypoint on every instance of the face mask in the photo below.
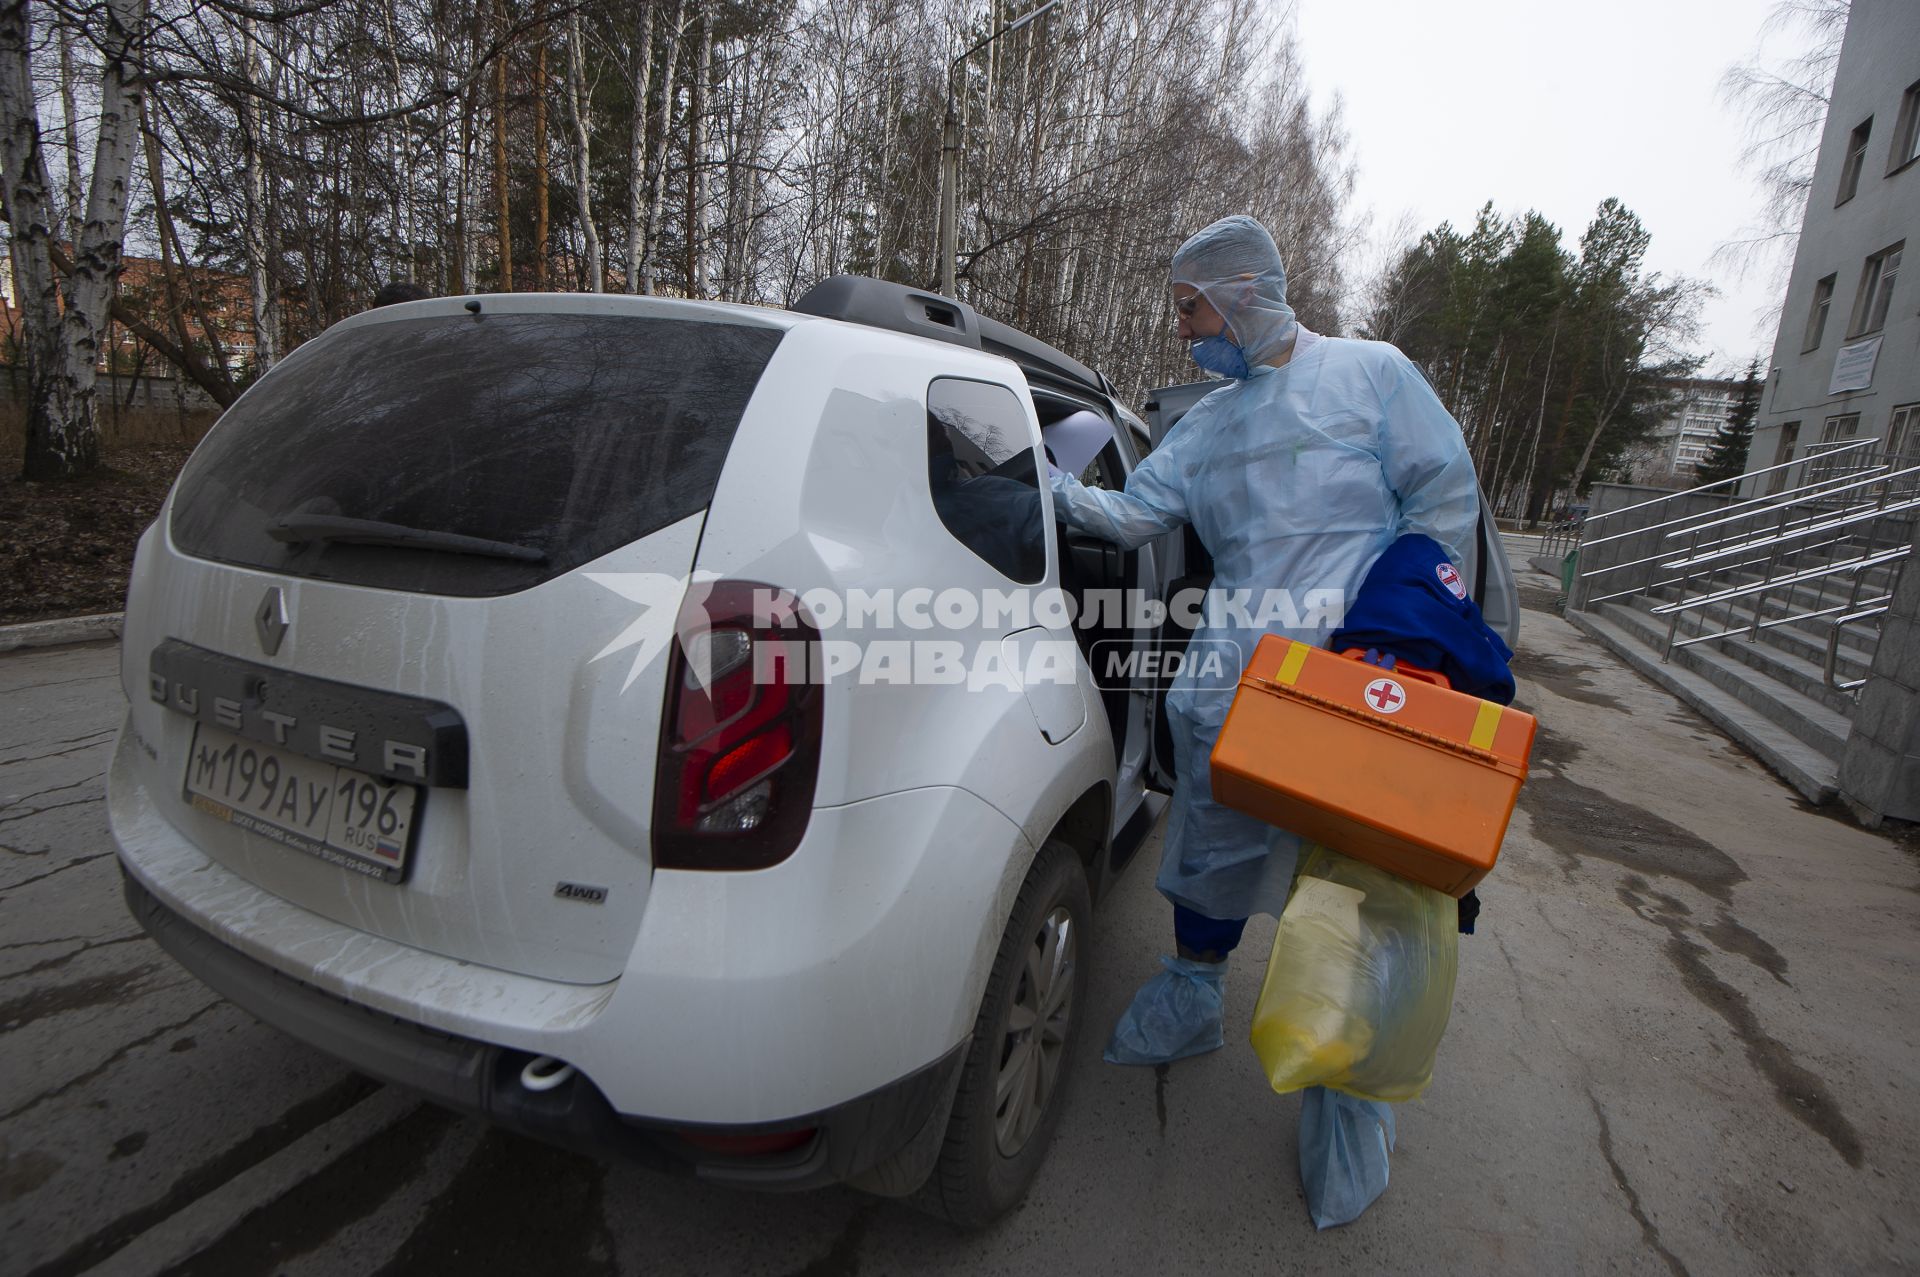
(1218, 355)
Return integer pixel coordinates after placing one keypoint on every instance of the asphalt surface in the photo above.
(1684, 1040)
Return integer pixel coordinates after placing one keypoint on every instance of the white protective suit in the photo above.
(1295, 478)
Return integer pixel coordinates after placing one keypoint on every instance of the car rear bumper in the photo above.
(748, 998)
(902, 1122)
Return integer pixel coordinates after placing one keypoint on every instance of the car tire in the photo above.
(1013, 1085)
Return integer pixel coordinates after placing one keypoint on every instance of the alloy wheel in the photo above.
(1034, 1049)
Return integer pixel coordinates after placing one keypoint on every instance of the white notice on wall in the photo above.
(1853, 366)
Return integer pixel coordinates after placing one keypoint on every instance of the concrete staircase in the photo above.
(1769, 693)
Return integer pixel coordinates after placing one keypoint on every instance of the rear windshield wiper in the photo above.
(331, 527)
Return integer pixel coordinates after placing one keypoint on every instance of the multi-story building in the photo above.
(222, 297)
(1699, 408)
(1846, 361)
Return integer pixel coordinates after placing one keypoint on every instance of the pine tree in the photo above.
(1727, 457)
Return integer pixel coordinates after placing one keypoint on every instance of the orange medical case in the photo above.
(1415, 778)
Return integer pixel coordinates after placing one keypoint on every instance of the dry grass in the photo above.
(66, 549)
(121, 427)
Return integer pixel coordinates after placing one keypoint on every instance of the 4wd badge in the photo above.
(581, 892)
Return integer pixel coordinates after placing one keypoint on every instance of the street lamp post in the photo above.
(949, 195)
(950, 154)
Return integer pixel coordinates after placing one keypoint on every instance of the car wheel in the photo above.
(1013, 1084)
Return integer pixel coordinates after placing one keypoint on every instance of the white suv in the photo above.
(455, 749)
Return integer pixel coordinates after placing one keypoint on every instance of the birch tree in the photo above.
(640, 65)
(306, 154)
(1784, 99)
(579, 97)
(64, 322)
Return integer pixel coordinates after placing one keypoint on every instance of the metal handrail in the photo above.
(1653, 586)
(1829, 666)
(1779, 621)
(1791, 617)
(1685, 523)
(1659, 559)
(1864, 482)
(1557, 539)
(1830, 451)
(1766, 561)
(1857, 516)
(1660, 556)
(1674, 610)
(1793, 578)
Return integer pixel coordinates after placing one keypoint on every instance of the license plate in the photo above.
(343, 816)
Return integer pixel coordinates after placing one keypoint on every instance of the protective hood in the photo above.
(1236, 267)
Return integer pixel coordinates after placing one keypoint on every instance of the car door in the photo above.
(1114, 647)
(1188, 567)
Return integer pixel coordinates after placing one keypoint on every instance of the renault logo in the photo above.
(270, 620)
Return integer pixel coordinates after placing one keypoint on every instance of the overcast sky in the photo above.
(1554, 106)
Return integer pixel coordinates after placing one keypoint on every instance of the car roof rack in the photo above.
(879, 303)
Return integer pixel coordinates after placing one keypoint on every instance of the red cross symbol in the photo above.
(1387, 696)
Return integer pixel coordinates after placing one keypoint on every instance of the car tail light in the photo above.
(740, 741)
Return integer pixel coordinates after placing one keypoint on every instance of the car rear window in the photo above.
(558, 436)
(983, 477)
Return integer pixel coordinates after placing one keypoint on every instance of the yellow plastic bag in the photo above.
(1360, 983)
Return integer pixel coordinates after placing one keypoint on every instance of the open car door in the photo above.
(1188, 567)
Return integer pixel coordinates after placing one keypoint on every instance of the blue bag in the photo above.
(1344, 1143)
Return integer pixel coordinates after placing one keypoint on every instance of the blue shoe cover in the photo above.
(1343, 1154)
(1175, 1014)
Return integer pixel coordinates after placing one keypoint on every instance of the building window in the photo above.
(1817, 317)
(1783, 453)
(1903, 435)
(1876, 291)
(1856, 160)
(1906, 134)
(1833, 463)
(1789, 438)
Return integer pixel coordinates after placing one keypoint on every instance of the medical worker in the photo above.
(1307, 463)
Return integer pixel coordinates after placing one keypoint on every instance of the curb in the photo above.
(60, 633)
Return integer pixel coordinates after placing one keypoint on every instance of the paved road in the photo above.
(1522, 546)
(1687, 1039)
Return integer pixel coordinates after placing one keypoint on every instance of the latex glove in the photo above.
(1385, 660)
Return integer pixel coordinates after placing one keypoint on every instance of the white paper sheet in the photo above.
(1077, 439)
